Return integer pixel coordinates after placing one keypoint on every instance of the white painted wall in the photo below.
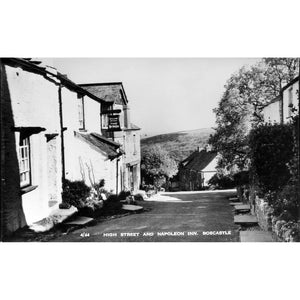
(35, 104)
(81, 158)
(210, 170)
(130, 141)
(290, 96)
(272, 113)
(83, 161)
(92, 113)
(34, 99)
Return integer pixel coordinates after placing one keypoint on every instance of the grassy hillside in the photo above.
(179, 144)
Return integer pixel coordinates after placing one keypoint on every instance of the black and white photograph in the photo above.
(106, 150)
(149, 149)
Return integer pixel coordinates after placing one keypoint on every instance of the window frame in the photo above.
(21, 158)
(104, 116)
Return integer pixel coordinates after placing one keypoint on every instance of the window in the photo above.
(104, 115)
(81, 113)
(24, 162)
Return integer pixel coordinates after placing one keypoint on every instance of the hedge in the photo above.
(271, 149)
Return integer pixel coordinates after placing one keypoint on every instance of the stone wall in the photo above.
(263, 213)
(284, 231)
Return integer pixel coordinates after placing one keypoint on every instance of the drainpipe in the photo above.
(281, 107)
(61, 135)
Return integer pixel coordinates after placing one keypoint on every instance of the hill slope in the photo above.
(179, 144)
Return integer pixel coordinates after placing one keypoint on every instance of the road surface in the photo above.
(173, 217)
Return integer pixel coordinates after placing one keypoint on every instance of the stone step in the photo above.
(245, 220)
(255, 236)
(80, 220)
(57, 216)
(234, 199)
(130, 207)
(235, 203)
(242, 207)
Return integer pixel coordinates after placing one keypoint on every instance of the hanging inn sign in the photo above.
(113, 120)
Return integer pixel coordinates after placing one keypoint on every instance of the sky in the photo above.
(165, 94)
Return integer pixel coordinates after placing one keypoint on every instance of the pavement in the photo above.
(203, 216)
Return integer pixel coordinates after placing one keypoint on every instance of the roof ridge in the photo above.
(101, 137)
(101, 83)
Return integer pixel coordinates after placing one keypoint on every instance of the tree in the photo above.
(157, 165)
(239, 110)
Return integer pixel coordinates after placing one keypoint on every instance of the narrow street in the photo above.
(184, 217)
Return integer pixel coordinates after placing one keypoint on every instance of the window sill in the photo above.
(28, 189)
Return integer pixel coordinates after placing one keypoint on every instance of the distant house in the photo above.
(196, 170)
(279, 110)
(117, 127)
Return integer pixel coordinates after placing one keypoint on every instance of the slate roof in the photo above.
(198, 160)
(110, 92)
(101, 144)
(48, 72)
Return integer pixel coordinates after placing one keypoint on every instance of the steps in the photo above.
(80, 220)
(245, 220)
(130, 207)
(234, 199)
(242, 208)
(57, 216)
(235, 203)
(248, 223)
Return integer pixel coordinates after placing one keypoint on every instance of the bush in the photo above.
(241, 178)
(148, 187)
(75, 193)
(221, 181)
(274, 165)
(112, 205)
(124, 194)
(271, 148)
(88, 201)
(286, 203)
(138, 197)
